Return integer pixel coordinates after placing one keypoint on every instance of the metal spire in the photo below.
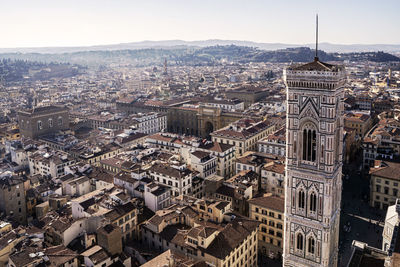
(316, 40)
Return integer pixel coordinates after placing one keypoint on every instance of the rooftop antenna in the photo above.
(316, 40)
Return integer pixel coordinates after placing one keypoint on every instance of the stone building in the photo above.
(314, 133)
(109, 237)
(248, 94)
(12, 197)
(43, 121)
(199, 121)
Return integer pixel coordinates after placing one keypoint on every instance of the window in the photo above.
(50, 123)
(39, 125)
(299, 241)
(313, 202)
(271, 232)
(301, 199)
(60, 121)
(311, 245)
(309, 143)
(378, 188)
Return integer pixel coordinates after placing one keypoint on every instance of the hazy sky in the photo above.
(30, 23)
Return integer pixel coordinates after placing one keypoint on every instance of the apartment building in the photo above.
(225, 153)
(232, 244)
(226, 104)
(243, 134)
(203, 162)
(124, 216)
(238, 190)
(384, 184)
(273, 177)
(146, 123)
(157, 196)
(274, 143)
(179, 178)
(49, 163)
(360, 122)
(383, 142)
(269, 211)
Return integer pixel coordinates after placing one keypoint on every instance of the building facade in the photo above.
(243, 134)
(12, 198)
(268, 210)
(275, 143)
(384, 184)
(43, 120)
(314, 130)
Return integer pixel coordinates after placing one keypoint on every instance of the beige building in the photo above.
(360, 122)
(269, 210)
(243, 134)
(273, 177)
(384, 184)
(124, 216)
(178, 228)
(183, 145)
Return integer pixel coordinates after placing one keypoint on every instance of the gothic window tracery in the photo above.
(301, 199)
(311, 245)
(299, 243)
(313, 202)
(309, 142)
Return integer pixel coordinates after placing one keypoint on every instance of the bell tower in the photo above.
(313, 182)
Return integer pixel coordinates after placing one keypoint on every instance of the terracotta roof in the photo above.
(169, 171)
(201, 154)
(231, 237)
(215, 146)
(386, 169)
(275, 166)
(269, 202)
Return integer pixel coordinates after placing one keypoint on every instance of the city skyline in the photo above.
(47, 24)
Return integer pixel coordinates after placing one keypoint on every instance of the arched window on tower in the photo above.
(313, 202)
(299, 243)
(311, 245)
(301, 199)
(309, 143)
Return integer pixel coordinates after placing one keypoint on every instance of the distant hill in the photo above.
(168, 44)
(19, 70)
(210, 55)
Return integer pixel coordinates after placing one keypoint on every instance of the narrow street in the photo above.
(366, 223)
